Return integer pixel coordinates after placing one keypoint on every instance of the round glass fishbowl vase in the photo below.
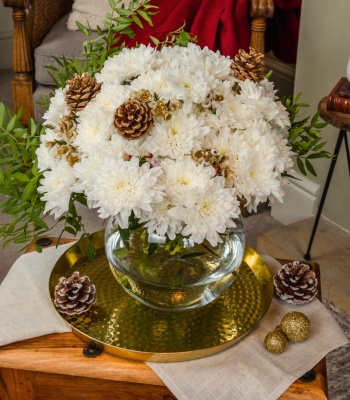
(173, 275)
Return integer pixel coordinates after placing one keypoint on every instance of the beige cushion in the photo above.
(59, 41)
(90, 13)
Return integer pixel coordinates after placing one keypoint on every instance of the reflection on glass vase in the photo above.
(173, 275)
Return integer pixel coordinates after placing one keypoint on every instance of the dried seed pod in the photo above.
(133, 119)
(249, 65)
(74, 295)
(81, 90)
(296, 283)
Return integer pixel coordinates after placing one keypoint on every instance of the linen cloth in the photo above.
(26, 310)
(247, 370)
(244, 371)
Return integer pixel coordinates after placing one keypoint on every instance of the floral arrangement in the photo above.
(171, 137)
(167, 139)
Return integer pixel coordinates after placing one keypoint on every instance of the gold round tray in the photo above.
(129, 329)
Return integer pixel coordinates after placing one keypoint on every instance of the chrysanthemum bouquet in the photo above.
(167, 140)
(170, 138)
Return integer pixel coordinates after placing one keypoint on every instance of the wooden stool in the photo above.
(341, 121)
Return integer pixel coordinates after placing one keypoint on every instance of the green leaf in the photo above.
(21, 177)
(194, 254)
(70, 230)
(82, 28)
(145, 16)
(314, 156)
(301, 166)
(28, 191)
(38, 249)
(120, 253)
(137, 20)
(40, 222)
(152, 248)
(125, 235)
(310, 167)
(91, 252)
(268, 75)
(155, 40)
(11, 124)
(111, 4)
(2, 114)
(123, 11)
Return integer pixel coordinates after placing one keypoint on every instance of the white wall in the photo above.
(323, 52)
(6, 36)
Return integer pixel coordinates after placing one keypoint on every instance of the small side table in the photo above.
(341, 121)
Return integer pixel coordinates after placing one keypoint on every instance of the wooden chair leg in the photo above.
(23, 66)
(259, 11)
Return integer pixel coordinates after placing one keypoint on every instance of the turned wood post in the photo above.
(259, 11)
(22, 63)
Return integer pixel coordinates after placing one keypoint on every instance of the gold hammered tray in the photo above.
(127, 328)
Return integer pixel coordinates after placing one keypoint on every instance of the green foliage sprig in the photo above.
(304, 135)
(95, 51)
(19, 181)
(177, 38)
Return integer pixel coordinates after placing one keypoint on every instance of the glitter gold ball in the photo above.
(295, 326)
(275, 342)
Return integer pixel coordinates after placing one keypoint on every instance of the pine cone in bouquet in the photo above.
(296, 283)
(74, 295)
(81, 90)
(133, 119)
(249, 65)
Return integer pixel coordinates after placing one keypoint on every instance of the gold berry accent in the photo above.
(295, 326)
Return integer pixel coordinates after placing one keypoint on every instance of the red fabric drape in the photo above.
(221, 25)
(283, 30)
(224, 25)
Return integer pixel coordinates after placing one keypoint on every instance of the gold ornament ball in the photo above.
(275, 342)
(295, 326)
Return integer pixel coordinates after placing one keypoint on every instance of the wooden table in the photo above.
(53, 367)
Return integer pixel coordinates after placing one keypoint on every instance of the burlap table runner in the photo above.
(244, 371)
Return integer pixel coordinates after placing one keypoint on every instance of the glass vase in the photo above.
(173, 275)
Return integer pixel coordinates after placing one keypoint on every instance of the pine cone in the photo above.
(295, 283)
(249, 65)
(133, 119)
(74, 295)
(81, 90)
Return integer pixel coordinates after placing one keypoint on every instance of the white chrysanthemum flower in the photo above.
(259, 106)
(58, 109)
(111, 96)
(95, 129)
(234, 113)
(160, 221)
(46, 151)
(210, 212)
(57, 188)
(193, 85)
(127, 65)
(177, 137)
(124, 187)
(182, 177)
(256, 174)
(267, 88)
(215, 64)
(160, 82)
(87, 172)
